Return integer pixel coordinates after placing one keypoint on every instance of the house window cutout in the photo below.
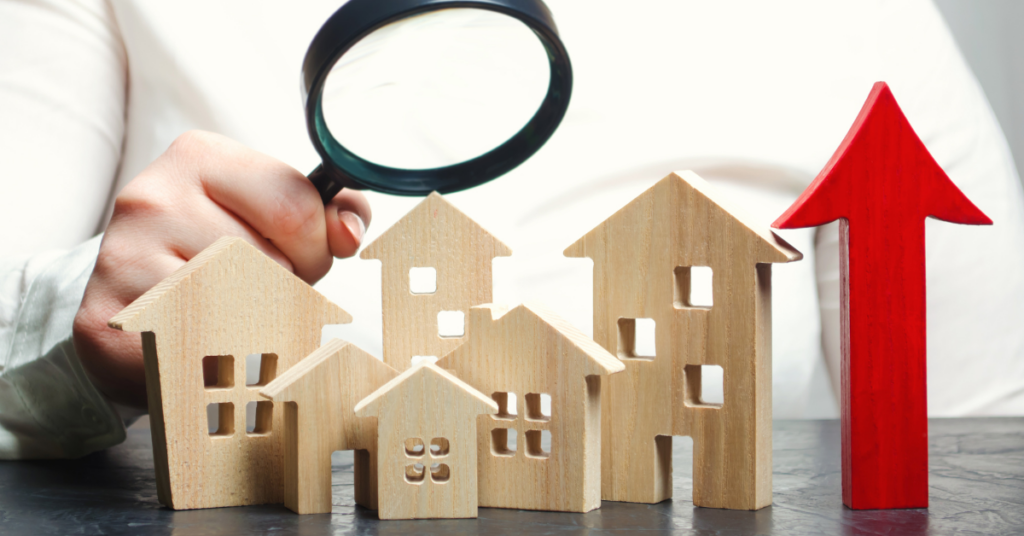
(538, 443)
(414, 473)
(422, 280)
(440, 473)
(538, 407)
(414, 447)
(418, 360)
(503, 442)
(506, 406)
(705, 386)
(259, 417)
(693, 287)
(220, 419)
(439, 447)
(219, 371)
(451, 324)
(260, 369)
(636, 338)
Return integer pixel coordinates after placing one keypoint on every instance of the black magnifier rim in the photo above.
(357, 19)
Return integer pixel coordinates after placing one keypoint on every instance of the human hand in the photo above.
(203, 187)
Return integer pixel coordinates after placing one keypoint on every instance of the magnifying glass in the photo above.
(408, 97)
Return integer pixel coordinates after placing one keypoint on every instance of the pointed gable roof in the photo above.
(426, 380)
(291, 384)
(228, 261)
(681, 189)
(598, 361)
(417, 228)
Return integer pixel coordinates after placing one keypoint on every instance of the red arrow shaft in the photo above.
(884, 405)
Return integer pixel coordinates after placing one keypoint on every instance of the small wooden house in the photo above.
(435, 237)
(228, 302)
(542, 451)
(426, 444)
(319, 396)
(643, 257)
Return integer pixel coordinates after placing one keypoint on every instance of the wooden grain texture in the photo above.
(230, 300)
(881, 184)
(425, 404)
(434, 234)
(319, 396)
(530, 351)
(642, 258)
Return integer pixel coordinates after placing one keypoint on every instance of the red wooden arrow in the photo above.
(881, 184)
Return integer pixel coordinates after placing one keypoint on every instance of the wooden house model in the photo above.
(228, 302)
(426, 444)
(643, 255)
(318, 397)
(542, 450)
(433, 236)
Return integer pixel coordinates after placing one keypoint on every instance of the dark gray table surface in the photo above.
(976, 480)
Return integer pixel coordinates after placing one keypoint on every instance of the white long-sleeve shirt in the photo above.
(753, 96)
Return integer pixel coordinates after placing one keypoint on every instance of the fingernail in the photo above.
(354, 223)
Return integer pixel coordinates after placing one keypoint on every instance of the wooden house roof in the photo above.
(224, 261)
(426, 381)
(433, 224)
(288, 386)
(524, 320)
(669, 198)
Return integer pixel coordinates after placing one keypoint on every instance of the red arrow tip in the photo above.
(881, 169)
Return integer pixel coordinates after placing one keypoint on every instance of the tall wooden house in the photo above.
(542, 450)
(426, 444)
(318, 397)
(228, 302)
(438, 239)
(643, 256)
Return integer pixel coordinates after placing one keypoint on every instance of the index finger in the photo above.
(272, 197)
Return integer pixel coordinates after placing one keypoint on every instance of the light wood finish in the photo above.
(426, 403)
(642, 256)
(437, 235)
(230, 300)
(881, 184)
(530, 351)
(319, 397)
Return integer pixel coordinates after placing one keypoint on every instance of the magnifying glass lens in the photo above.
(436, 89)
(408, 97)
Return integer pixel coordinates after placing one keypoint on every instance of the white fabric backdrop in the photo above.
(753, 96)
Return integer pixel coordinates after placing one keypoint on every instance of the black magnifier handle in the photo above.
(342, 168)
(328, 183)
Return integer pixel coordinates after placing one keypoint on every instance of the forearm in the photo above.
(48, 406)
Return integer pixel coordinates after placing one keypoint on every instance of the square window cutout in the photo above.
(414, 447)
(414, 473)
(705, 385)
(440, 473)
(439, 447)
(422, 280)
(219, 372)
(538, 407)
(259, 417)
(418, 360)
(451, 324)
(503, 441)
(693, 287)
(506, 406)
(220, 419)
(260, 369)
(538, 443)
(636, 338)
